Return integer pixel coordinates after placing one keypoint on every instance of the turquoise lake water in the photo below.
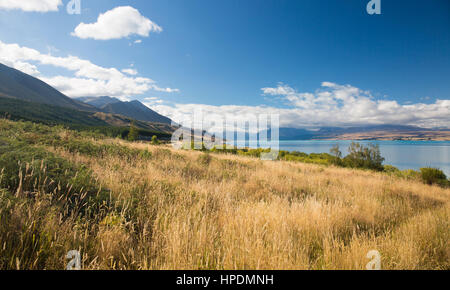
(401, 154)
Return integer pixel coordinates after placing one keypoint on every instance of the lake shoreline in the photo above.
(403, 154)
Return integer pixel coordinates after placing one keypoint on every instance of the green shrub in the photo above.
(155, 140)
(133, 135)
(391, 169)
(433, 176)
(409, 174)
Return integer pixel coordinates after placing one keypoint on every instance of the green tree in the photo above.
(335, 151)
(155, 140)
(360, 156)
(336, 155)
(133, 135)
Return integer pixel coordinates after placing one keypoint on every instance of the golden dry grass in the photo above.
(191, 210)
(199, 211)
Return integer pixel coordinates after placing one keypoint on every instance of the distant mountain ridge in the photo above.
(133, 109)
(367, 132)
(15, 84)
(24, 97)
(98, 102)
(18, 85)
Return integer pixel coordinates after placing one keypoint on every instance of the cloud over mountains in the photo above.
(88, 79)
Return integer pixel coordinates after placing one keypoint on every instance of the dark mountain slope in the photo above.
(18, 85)
(108, 124)
(47, 114)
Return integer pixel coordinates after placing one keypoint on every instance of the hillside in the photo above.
(18, 85)
(137, 206)
(110, 124)
(47, 114)
(123, 121)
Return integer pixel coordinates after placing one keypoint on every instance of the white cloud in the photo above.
(88, 79)
(117, 23)
(152, 101)
(130, 71)
(165, 90)
(31, 5)
(330, 105)
(138, 41)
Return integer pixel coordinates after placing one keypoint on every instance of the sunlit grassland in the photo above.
(127, 205)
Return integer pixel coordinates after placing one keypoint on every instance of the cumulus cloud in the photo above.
(31, 5)
(117, 23)
(330, 105)
(88, 79)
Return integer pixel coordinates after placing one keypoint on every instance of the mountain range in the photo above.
(25, 97)
(133, 109)
(17, 85)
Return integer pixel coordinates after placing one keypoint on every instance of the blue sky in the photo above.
(228, 55)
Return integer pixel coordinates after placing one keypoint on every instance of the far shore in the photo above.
(394, 136)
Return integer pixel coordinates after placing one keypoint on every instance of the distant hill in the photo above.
(368, 128)
(18, 85)
(133, 109)
(369, 132)
(98, 101)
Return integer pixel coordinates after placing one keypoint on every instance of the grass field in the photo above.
(130, 205)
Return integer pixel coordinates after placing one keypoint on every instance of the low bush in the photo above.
(433, 176)
(391, 169)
